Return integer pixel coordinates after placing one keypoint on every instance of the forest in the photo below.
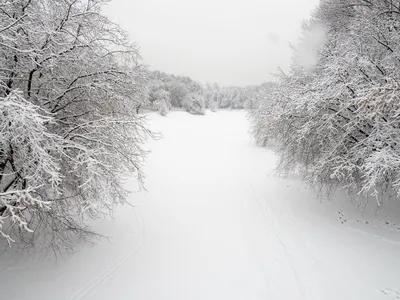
(73, 88)
(159, 170)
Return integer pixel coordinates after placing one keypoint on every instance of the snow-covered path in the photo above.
(216, 223)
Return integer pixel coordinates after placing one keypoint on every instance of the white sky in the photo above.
(231, 42)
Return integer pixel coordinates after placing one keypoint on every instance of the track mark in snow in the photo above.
(391, 293)
(106, 274)
(275, 232)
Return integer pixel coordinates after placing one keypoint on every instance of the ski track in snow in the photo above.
(276, 232)
(108, 273)
(215, 224)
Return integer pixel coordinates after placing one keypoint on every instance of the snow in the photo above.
(217, 223)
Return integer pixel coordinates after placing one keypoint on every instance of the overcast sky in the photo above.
(231, 42)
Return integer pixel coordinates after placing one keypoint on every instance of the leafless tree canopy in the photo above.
(338, 120)
(70, 83)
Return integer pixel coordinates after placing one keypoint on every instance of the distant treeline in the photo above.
(168, 91)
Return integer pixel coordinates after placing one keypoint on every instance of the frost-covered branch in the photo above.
(338, 120)
(74, 82)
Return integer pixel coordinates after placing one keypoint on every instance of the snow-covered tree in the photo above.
(194, 104)
(82, 80)
(162, 102)
(178, 93)
(213, 103)
(337, 119)
(30, 162)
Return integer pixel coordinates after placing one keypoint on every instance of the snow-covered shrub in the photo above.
(79, 134)
(162, 102)
(194, 104)
(213, 105)
(178, 92)
(211, 98)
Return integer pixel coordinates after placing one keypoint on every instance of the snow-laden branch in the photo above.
(70, 84)
(338, 121)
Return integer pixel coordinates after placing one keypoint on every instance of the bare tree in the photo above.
(79, 69)
(338, 120)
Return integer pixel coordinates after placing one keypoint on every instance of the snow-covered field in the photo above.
(216, 223)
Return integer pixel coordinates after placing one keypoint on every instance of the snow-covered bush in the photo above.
(337, 119)
(162, 102)
(178, 92)
(212, 104)
(194, 104)
(80, 83)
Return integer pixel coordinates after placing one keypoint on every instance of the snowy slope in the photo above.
(216, 223)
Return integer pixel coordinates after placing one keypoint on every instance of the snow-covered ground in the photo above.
(216, 223)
